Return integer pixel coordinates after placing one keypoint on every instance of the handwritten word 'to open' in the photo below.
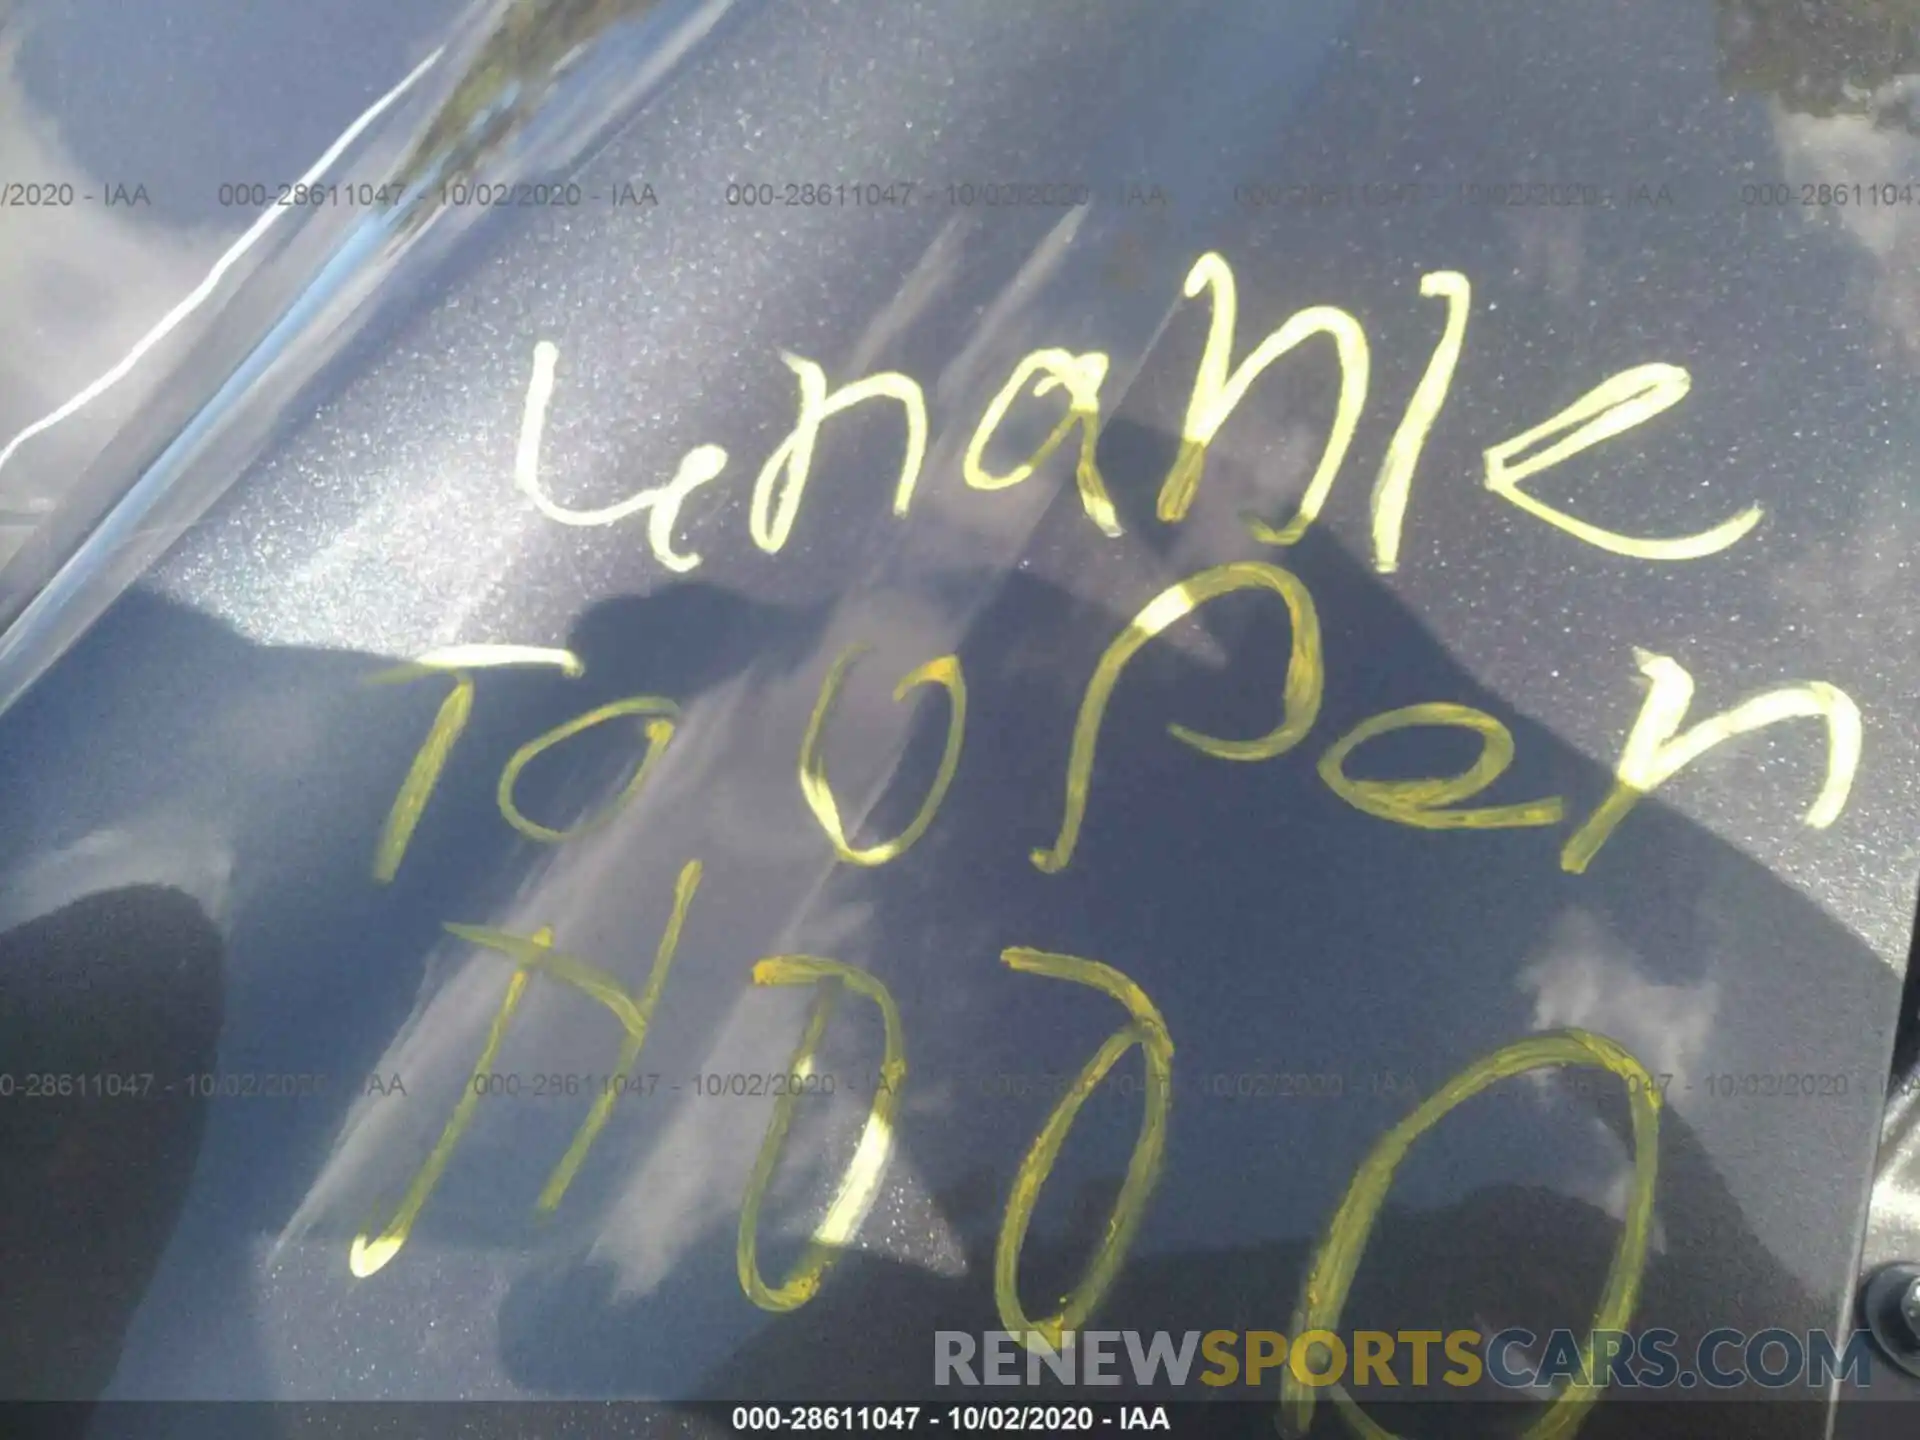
(1653, 754)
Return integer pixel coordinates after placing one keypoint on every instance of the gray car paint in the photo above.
(314, 479)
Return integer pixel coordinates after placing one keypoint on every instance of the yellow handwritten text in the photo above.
(1655, 750)
(698, 467)
(1216, 394)
(775, 504)
(944, 672)
(1392, 489)
(451, 719)
(1653, 754)
(1300, 706)
(1148, 1031)
(1080, 376)
(1330, 1273)
(1630, 398)
(658, 732)
(1421, 803)
(531, 954)
(861, 1183)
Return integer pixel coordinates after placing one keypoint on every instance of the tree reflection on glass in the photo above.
(1826, 57)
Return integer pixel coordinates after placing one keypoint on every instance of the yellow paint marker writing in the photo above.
(699, 466)
(1301, 705)
(1080, 376)
(1330, 1273)
(1146, 1030)
(860, 1185)
(657, 731)
(944, 672)
(1654, 754)
(783, 479)
(1422, 803)
(1630, 398)
(535, 954)
(1216, 394)
(1392, 489)
(455, 711)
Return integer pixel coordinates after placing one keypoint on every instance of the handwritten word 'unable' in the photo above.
(1621, 403)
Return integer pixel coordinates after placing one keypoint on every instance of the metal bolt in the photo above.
(1910, 1309)
(1890, 1305)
